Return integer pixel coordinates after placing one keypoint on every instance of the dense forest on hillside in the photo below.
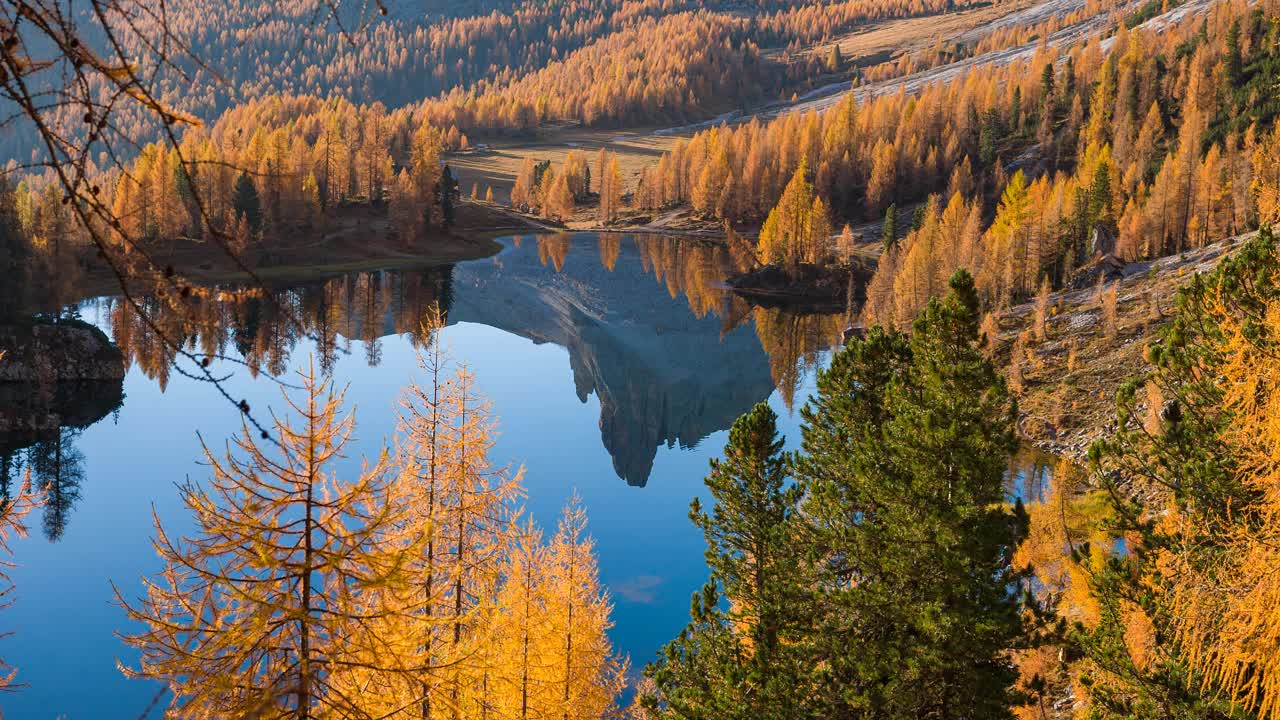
(1165, 141)
(498, 64)
(264, 175)
(675, 68)
(881, 566)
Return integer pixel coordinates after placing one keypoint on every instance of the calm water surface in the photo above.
(614, 364)
(615, 367)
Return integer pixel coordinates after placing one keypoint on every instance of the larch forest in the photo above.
(287, 291)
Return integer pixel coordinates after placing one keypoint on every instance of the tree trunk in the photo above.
(308, 554)
(568, 649)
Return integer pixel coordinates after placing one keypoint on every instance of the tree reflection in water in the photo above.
(663, 373)
(57, 467)
(264, 331)
(40, 424)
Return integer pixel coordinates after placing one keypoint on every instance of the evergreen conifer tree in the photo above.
(905, 448)
(889, 231)
(449, 195)
(246, 202)
(740, 661)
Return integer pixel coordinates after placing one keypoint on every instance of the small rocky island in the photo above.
(56, 373)
(816, 288)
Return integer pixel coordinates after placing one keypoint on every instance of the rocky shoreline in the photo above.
(55, 374)
(64, 350)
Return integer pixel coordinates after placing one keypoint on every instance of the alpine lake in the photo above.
(615, 365)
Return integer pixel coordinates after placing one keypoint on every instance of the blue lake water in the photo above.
(614, 367)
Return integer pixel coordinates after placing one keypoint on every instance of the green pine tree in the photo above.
(889, 231)
(246, 203)
(743, 656)
(834, 58)
(1015, 110)
(1046, 80)
(905, 448)
(1234, 61)
(448, 195)
(918, 216)
(698, 675)
(880, 585)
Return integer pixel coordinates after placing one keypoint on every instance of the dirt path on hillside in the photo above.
(829, 95)
(826, 97)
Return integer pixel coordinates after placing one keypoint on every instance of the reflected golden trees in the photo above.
(610, 248)
(795, 343)
(793, 340)
(554, 249)
(370, 304)
(692, 268)
(263, 329)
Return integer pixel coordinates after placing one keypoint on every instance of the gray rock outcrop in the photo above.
(43, 352)
(55, 375)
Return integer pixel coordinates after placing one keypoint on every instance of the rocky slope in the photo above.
(1071, 376)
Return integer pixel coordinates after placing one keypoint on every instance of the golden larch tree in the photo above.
(426, 408)
(1266, 181)
(1008, 239)
(1231, 629)
(522, 633)
(264, 603)
(559, 196)
(476, 514)
(586, 673)
(610, 181)
(789, 234)
(523, 193)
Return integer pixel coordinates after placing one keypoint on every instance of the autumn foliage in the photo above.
(1158, 143)
(407, 588)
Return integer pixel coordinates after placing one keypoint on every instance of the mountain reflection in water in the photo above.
(665, 369)
(646, 327)
(669, 367)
